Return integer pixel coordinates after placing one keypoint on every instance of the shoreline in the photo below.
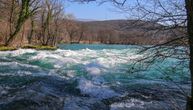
(41, 47)
(38, 47)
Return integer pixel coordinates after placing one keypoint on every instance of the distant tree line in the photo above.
(114, 32)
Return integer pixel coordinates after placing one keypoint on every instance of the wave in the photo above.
(95, 90)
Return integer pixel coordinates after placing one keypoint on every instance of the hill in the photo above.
(122, 32)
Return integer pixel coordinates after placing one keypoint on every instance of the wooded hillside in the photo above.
(124, 32)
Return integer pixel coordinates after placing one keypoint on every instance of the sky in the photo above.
(93, 11)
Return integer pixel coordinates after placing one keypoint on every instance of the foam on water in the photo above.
(128, 104)
(21, 51)
(92, 61)
(19, 69)
(16, 65)
(96, 90)
(95, 70)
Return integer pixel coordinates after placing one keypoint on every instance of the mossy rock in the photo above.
(6, 48)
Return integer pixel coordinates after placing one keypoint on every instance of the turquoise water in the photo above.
(81, 76)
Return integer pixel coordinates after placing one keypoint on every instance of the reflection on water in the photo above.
(89, 77)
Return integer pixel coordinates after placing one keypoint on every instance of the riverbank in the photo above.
(6, 48)
(38, 47)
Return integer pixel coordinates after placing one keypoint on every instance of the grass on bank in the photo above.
(39, 47)
(6, 48)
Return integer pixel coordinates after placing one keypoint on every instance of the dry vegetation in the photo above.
(124, 32)
(44, 23)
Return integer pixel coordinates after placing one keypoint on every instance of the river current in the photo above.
(90, 77)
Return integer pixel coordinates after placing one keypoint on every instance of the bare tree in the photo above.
(9, 11)
(27, 8)
(43, 21)
(82, 31)
(51, 15)
(71, 28)
(189, 11)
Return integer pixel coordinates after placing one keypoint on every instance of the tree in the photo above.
(105, 36)
(189, 11)
(71, 28)
(43, 19)
(27, 8)
(82, 31)
(31, 33)
(9, 12)
(51, 15)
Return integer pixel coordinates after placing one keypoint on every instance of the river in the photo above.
(90, 77)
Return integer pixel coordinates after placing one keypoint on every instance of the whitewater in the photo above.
(90, 77)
